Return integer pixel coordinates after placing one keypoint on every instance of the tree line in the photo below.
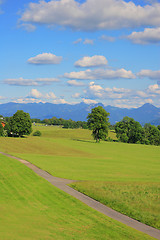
(62, 122)
(127, 130)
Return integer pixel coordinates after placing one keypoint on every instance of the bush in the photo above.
(109, 139)
(5, 134)
(37, 133)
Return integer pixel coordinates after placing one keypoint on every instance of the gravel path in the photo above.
(62, 184)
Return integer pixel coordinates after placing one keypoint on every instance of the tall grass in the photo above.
(140, 201)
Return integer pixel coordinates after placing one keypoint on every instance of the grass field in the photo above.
(123, 176)
(31, 208)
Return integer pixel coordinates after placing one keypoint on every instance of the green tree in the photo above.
(20, 124)
(130, 131)
(98, 123)
(152, 134)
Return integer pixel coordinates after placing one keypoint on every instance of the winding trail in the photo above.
(62, 184)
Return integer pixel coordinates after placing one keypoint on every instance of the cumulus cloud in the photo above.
(45, 58)
(100, 74)
(131, 103)
(122, 97)
(149, 73)
(92, 15)
(59, 101)
(89, 101)
(93, 61)
(43, 97)
(27, 100)
(34, 93)
(154, 89)
(75, 83)
(148, 36)
(30, 82)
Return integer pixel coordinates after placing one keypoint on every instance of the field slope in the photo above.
(125, 177)
(31, 208)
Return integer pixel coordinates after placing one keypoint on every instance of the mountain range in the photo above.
(78, 112)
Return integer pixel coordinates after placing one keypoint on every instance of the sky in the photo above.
(72, 51)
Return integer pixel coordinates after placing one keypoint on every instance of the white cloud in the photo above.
(88, 41)
(75, 83)
(149, 73)
(122, 97)
(77, 41)
(50, 95)
(45, 58)
(89, 101)
(34, 93)
(59, 101)
(47, 80)
(154, 89)
(107, 38)
(100, 74)
(92, 15)
(30, 82)
(148, 36)
(27, 100)
(131, 103)
(93, 61)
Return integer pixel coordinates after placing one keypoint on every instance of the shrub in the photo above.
(37, 133)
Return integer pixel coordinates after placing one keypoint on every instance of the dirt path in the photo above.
(62, 184)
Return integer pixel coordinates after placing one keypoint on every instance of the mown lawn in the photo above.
(31, 208)
(130, 172)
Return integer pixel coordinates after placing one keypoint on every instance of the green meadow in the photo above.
(125, 177)
(31, 208)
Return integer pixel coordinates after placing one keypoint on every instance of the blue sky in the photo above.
(69, 51)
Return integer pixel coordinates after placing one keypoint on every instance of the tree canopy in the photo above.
(152, 134)
(130, 131)
(98, 123)
(19, 124)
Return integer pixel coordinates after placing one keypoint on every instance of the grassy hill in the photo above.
(123, 176)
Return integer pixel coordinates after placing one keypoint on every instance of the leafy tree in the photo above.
(152, 134)
(20, 124)
(98, 123)
(130, 131)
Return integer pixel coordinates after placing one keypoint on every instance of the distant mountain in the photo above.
(144, 114)
(156, 122)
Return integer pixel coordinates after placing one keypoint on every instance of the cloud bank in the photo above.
(92, 15)
(30, 82)
(100, 74)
